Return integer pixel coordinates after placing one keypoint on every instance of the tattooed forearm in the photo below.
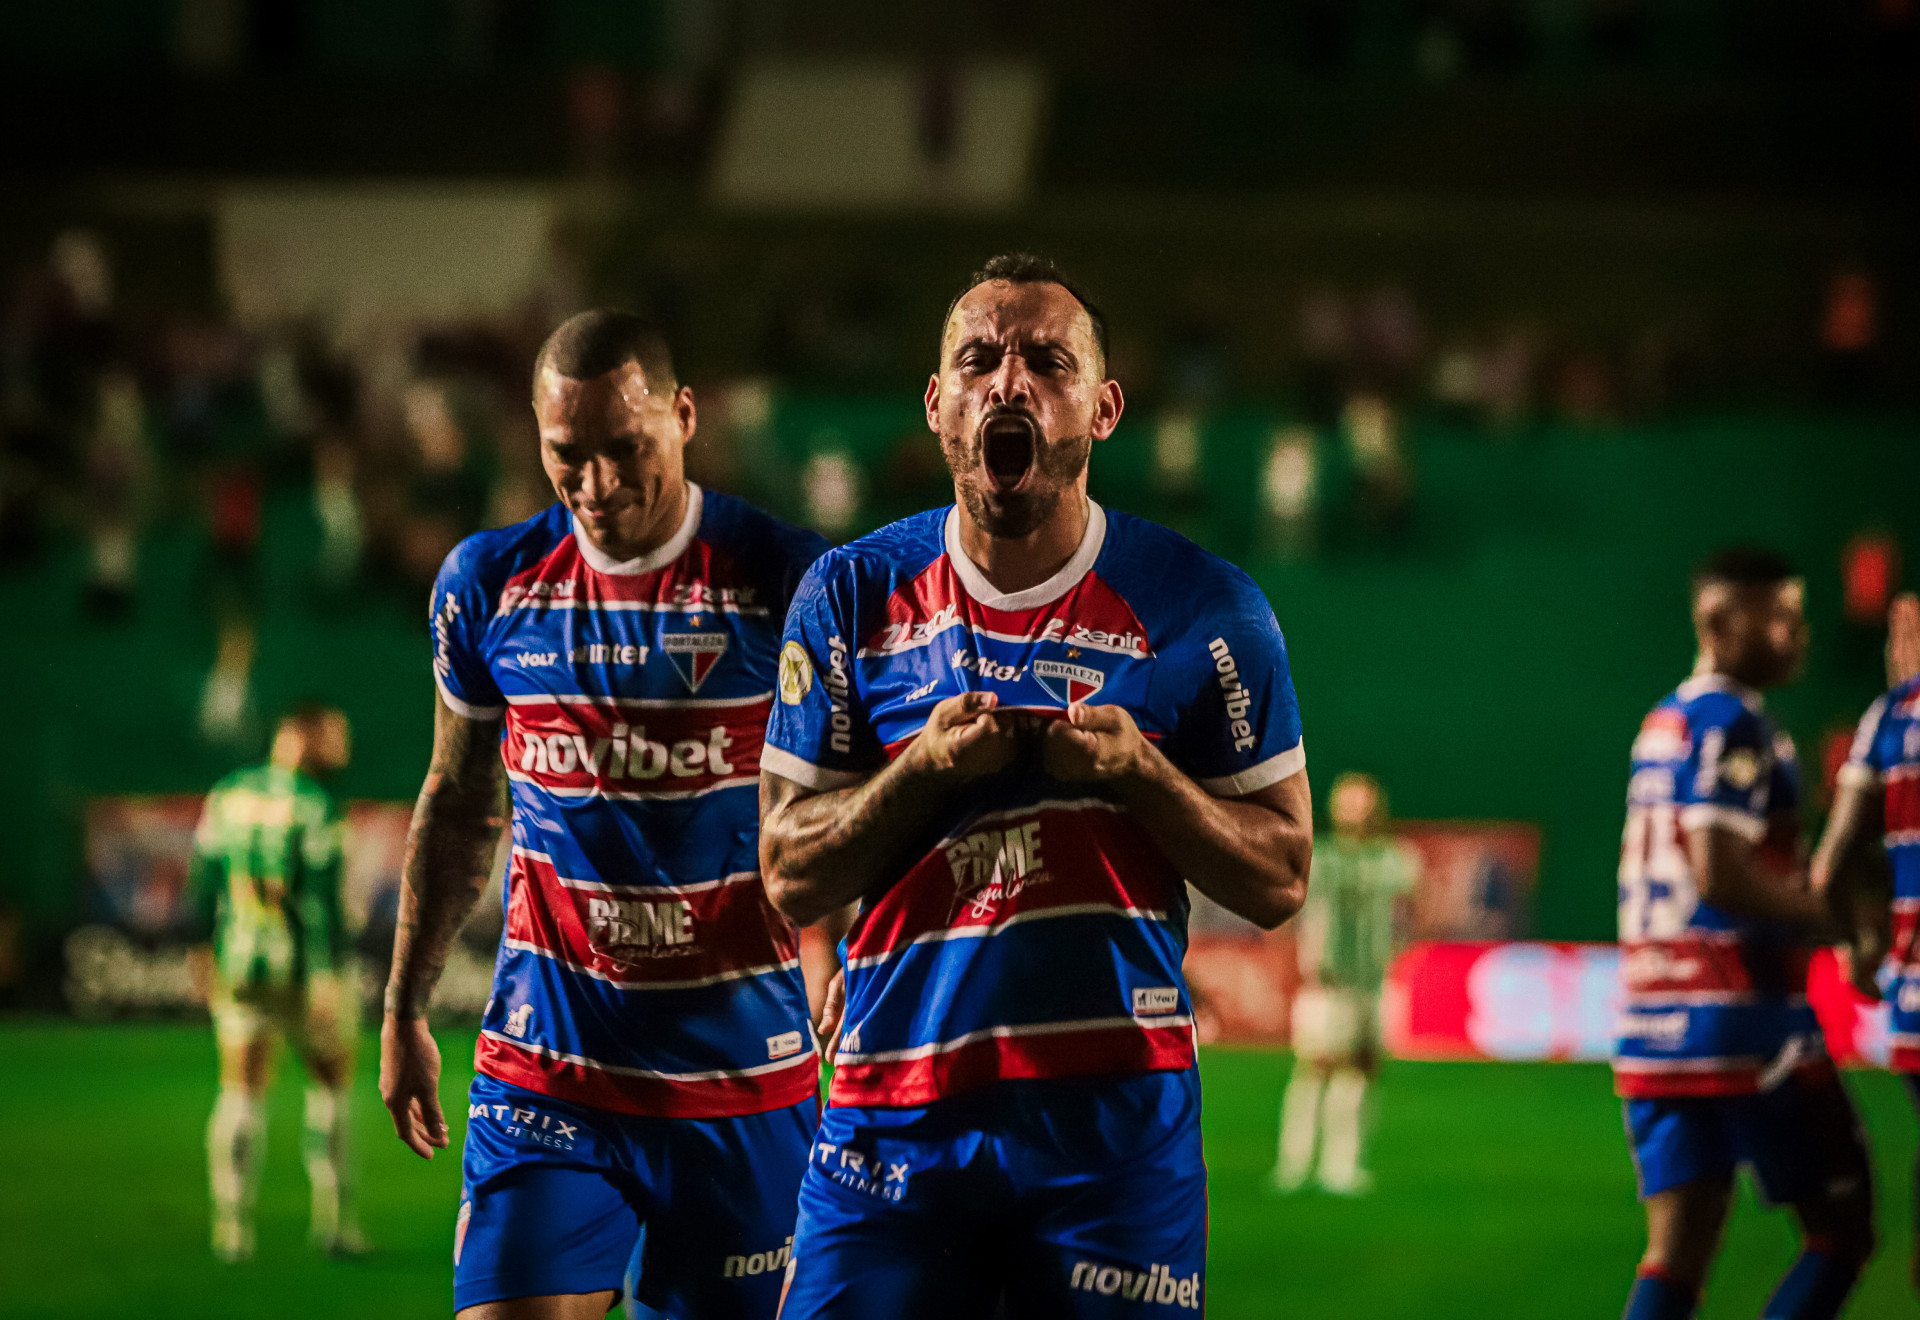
(450, 850)
(821, 851)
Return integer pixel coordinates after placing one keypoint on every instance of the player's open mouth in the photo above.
(1008, 442)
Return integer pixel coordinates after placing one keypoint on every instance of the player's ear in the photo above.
(1106, 413)
(933, 403)
(685, 413)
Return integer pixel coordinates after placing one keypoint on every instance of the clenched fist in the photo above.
(1095, 743)
(965, 738)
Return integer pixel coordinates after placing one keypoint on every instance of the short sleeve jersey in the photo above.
(267, 861)
(642, 968)
(1886, 758)
(1714, 1005)
(1346, 927)
(1036, 931)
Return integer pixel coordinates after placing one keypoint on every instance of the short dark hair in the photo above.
(595, 342)
(1027, 268)
(1744, 566)
(308, 712)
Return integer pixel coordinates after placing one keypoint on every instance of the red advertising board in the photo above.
(1517, 1000)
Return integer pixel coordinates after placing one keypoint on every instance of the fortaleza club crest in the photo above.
(1067, 683)
(694, 654)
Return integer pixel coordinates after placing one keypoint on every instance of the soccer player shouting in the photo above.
(1719, 1058)
(1008, 729)
(648, 1082)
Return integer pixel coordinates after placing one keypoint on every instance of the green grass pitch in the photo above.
(1503, 1191)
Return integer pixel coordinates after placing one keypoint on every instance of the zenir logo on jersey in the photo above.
(1067, 683)
(694, 654)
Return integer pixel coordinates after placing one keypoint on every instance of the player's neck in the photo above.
(653, 530)
(1015, 563)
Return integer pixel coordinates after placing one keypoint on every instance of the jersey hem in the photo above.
(651, 1097)
(1749, 827)
(805, 772)
(1269, 772)
(466, 709)
(912, 1083)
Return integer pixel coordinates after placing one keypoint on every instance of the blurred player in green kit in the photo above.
(266, 880)
(1348, 932)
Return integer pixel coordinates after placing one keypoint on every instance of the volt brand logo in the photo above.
(634, 929)
(990, 866)
(1149, 1000)
(694, 654)
(1067, 683)
(1158, 1285)
(1239, 700)
(760, 1262)
(986, 668)
(628, 754)
(785, 1044)
(839, 685)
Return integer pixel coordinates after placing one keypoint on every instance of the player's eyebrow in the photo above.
(1020, 344)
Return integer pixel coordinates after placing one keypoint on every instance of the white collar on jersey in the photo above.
(1751, 698)
(659, 557)
(1047, 592)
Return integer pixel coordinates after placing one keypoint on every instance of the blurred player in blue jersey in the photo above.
(1719, 1058)
(1869, 857)
(1006, 729)
(648, 1081)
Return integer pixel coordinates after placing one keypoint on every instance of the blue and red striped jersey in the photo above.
(642, 968)
(1037, 931)
(1886, 756)
(1714, 1005)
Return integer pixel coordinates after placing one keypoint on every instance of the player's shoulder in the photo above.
(1902, 701)
(744, 529)
(1170, 582)
(1712, 701)
(488, 559)
(885, 556)
(244, 779)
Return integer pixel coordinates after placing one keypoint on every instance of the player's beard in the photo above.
(1053, 471)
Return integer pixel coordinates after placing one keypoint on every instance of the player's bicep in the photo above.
(466, 749)
(1724, 784)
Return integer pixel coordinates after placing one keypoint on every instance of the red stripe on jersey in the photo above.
(1903, 803)
(584, 1083)
(921, 1081)
(1682, 965)
(1632, 1084)
(1016, 863)
(702, 577)
(577, 749)
(1091, 614)
(1904, 1057)
(658, 936)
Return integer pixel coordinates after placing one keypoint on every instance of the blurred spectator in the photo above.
(118, 465)
(1583, 389)
(1177, 443)
(1387, 337)
(832, 485)
(1383, 479)
(1290, 493)
(1326, 352)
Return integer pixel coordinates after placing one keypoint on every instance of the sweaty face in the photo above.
(1760, 633)
(1018, 402)
(612, 447)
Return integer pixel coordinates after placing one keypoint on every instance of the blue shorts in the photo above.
(691, 1217)
(1801, 1139)
(1064, 1198)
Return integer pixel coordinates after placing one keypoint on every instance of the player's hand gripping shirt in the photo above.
(1886, 756)
(266, 878)
(642, 968)
(1038, 932)
(1714, 1005)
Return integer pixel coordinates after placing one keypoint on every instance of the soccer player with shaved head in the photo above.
(1010, 732)
(1719, 1059)
(648, 1081)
